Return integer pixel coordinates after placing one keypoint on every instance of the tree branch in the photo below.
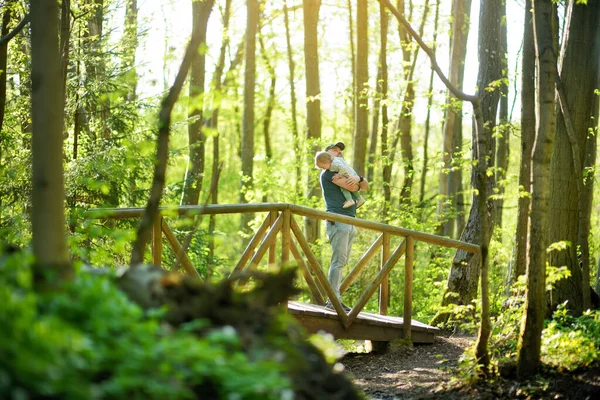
(158, 183)
(5, 39)
(455, 91)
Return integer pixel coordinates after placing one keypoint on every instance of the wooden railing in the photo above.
(280, 221)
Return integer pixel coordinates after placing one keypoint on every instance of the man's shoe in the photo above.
(360, 202)
(348, 203)
(329, 306)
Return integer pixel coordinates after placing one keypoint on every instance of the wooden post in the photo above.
(285, 237)
(315, 290)
(408, 285)
(384, 289)
(273, 248)
(157, 241)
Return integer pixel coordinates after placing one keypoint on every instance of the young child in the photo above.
(325, 160)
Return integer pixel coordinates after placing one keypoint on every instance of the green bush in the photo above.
(571, 342)
(89, 341)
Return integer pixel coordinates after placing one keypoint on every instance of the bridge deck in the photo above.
(374, 327)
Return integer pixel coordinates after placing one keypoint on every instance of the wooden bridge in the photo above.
(280, 222)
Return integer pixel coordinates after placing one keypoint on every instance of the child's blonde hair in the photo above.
(322, 156)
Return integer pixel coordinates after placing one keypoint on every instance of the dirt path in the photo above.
(406, 372)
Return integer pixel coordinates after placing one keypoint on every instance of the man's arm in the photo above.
(352, 183)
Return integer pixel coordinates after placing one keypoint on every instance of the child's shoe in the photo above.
(360, 202)
(348, 203)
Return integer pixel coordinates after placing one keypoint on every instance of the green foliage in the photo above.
(571, 342)
(89, 341)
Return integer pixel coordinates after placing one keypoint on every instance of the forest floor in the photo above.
(427, 371)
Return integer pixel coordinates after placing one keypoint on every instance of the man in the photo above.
(340, 235)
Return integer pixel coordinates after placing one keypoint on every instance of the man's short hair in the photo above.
(341, 145)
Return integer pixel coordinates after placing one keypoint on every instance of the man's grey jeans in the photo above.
(340, 237)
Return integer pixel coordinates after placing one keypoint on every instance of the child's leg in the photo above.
(349, 199)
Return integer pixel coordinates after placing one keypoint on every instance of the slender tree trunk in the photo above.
(428, 117)
(196, 139)
(214, 121)
(313, 103)
(3, 63)
(361, 129)
(269, 109)
(65, 39)
(374, 122)
(405, 119)
(294, 116)
(52, 262)
(570, 198)
(530, 339)
(248, 119)
(527, 138)
(130, 44)
(386, 164)
(450, 188)
(503, 130)
(353, 93)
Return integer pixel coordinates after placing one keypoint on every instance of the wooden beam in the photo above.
(186, 263)
(361, 264)
(408, 284)
(268, 240)
(252, 244)
(316, 269)
(273, 248)
(364, 298)
(285, 237)
(384, 289)
(157, 242)
(315, 290)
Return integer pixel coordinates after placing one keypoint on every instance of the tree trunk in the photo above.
(214, 121)
(527, 138)
(201, 11)
(386, 173)
(65, 38)
(292, 83)
(463, 279)
(503, 130)
(352, 63)
(268, 111)
(451, 178)
(428, 117)
(530, 339)
(570, 189)
(361, 128)
(130, 44)
(3, 63)
(405, 119)
(52, 262)
(248, 118)
(313, 104)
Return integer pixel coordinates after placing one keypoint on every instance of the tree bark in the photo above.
(292, 83)
(428, 117)
(313, 104)
(214, 121)
(386, 173)
(201, 11)
(503, 129)
(530, 339)
(130, 44)
(52, 262)
(65, 40)
(528, 122)
(463, 279)
(361, 112)
(269, 109)
(570, 198)
(450, 187)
